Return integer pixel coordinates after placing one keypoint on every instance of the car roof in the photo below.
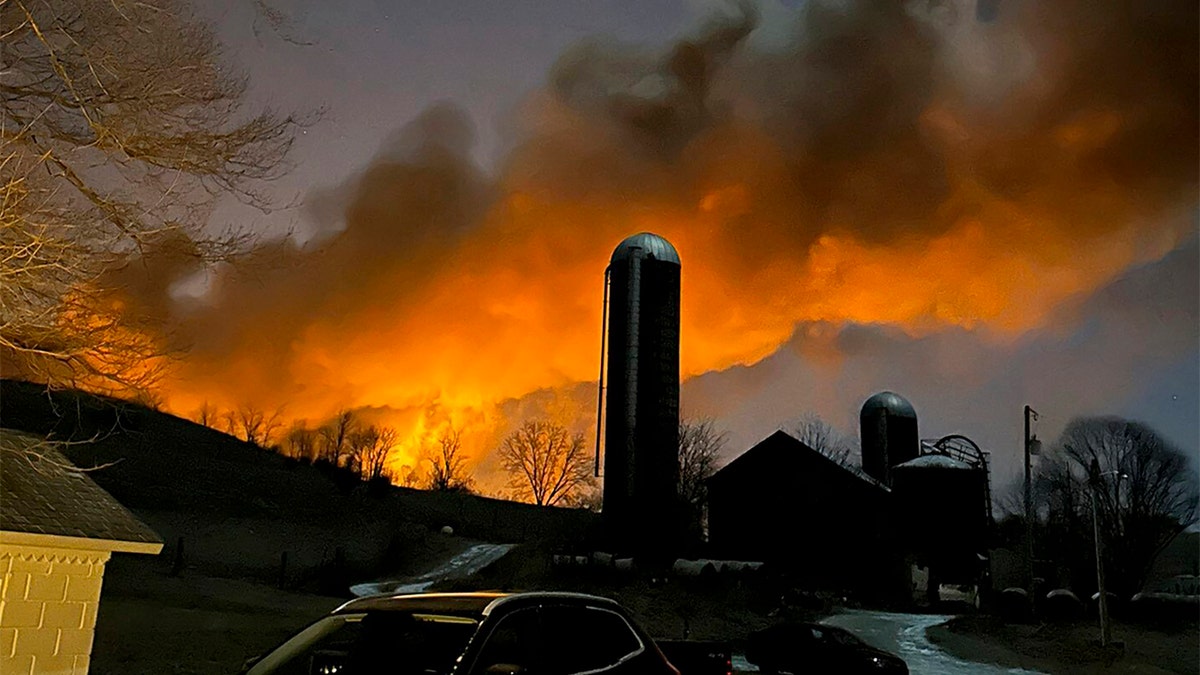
(474, 605)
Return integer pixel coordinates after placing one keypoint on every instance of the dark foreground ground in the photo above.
(1069, 648)
(152, 622)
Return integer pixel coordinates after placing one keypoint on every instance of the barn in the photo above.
(788, 505)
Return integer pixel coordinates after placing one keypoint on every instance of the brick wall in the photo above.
(48, 605)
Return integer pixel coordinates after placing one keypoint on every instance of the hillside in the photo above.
(257, 545)
(239, 507)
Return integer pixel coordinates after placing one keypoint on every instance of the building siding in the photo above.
(48, 605)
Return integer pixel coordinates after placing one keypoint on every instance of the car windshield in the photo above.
(350, 644)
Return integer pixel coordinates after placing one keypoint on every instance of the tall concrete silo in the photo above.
(888, 427)
(641, 423)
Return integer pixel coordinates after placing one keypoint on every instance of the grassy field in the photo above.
(238, 508)
(231, 514)
(1069, 649)
(152, 623)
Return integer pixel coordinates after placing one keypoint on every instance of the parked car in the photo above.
(697, 657)
(795, 647)
(470, 634)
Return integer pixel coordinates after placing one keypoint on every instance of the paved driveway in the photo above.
(904, 636)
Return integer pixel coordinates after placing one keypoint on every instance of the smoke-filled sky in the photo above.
(976, 209)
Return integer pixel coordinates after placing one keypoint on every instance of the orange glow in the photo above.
(518, 311)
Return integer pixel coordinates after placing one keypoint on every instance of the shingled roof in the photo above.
(42, 493)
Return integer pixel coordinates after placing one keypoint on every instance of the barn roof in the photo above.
(780, 445)
(42, 493)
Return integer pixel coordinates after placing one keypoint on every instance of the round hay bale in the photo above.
(1062, 605)
(1165, 608)
(1012, 604)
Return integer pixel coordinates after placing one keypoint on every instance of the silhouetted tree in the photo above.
(368, 450)
(1145, 492)
(700, 446)
(120, 128)
(817, 434)
(410, 476)
(255, 425)
(448, 470)
(546, 465)
(301, 442)
(207, 414)
(334, 436)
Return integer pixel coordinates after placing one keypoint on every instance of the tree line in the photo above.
(545, 463)
(1110, 477)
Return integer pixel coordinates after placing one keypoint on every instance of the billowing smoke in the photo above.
(902, 172)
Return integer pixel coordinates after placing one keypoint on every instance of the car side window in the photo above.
(512, 646)
(586, 640)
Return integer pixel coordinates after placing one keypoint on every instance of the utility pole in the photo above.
(1031, 444)
(1105, 629)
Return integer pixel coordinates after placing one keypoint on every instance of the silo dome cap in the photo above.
(893, 403)
(652, 246)
(934, 461)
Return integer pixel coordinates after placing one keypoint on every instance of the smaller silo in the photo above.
(888, 427)
(941, 506)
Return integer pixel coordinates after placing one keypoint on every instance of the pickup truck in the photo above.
(538, 633)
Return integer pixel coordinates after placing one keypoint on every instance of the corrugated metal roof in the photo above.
(652, 246)
(41, 492)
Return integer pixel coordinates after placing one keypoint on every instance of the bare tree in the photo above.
(119, 128)
(700, 446)
(334, 437)
(410, 476)
(546, 465)
(1145, 492)
(301, 442)
(207, 415)
(368, 450)
(448, 470)
(817, 434)
(255, 425)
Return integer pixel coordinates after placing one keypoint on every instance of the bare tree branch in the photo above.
(700, 446)
(448, 471)
(545, 464)
(1146, 494)
(817, 434)
(120, 125)
(368, 450)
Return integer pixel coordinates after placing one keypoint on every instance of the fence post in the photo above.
(177, 562)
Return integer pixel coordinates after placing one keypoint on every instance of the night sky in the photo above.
(1126, 341)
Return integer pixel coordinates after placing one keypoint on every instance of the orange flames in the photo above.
(519, 311)
(450, 298)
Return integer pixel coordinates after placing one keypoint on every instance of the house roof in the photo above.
(42, 493)
(783, 442)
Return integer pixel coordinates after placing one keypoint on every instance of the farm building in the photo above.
(57, 531)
